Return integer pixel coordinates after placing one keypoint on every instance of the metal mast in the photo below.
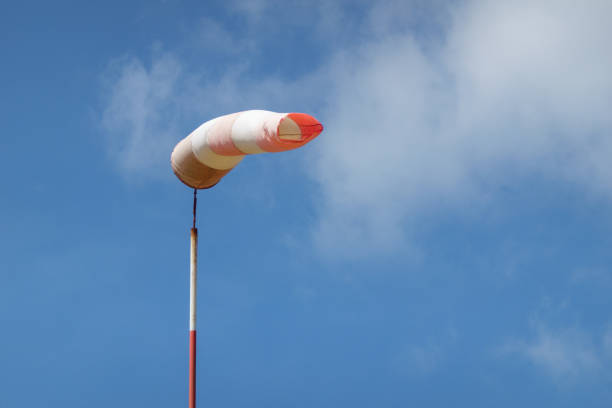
(193, 274)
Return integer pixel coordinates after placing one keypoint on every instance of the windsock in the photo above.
(217, 146)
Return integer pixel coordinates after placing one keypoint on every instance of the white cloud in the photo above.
(414, 127)
(422, 110)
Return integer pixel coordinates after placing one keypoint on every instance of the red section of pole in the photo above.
(192, 369)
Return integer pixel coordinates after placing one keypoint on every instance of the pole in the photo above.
(193, 273)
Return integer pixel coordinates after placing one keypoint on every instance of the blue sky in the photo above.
(445, 241)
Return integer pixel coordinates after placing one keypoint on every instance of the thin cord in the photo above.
(195, 200)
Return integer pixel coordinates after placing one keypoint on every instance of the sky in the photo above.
(445, 241)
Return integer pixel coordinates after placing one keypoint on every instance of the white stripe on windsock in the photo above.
(250, 123)
(202, 151)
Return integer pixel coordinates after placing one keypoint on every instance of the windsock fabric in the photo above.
(217, 146)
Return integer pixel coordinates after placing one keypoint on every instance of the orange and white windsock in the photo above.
(217, 146)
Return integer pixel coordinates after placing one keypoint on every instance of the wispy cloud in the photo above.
(601, 276)
(421, 360)
(567, 354)
(426, 357)
(140, 117)
(419, 117)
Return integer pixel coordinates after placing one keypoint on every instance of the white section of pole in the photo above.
(192, 315)
(193, 279)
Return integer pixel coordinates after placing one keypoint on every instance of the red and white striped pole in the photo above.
(193, 275)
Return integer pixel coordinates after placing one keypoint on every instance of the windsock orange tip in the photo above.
(309, 126)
